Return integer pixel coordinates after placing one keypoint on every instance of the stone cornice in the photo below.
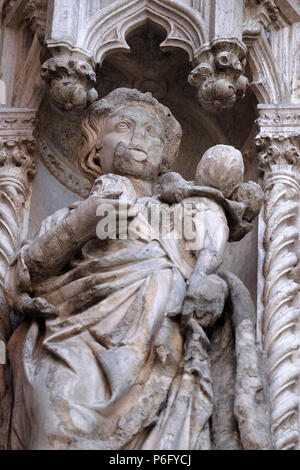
(17, 121)
(282, 120)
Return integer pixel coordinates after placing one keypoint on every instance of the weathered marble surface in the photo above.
(241, 53)
(118, 344)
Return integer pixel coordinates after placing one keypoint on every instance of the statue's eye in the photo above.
(123, 125)
(150, 130)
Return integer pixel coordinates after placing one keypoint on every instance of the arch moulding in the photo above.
(106, 30)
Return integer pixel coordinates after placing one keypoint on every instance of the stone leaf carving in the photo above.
(271, 9)
(220, 75)
(71, 82)
(9, 8)
(16, 13)
(35, 13)
(279, 152)
(261, 20)
(15, 158)
(279, 158)
(263, 11)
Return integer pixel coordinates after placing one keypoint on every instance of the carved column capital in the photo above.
(260, 15)
(219, 76)
(278, 142)
(262, 11)
(16, 159)
(17, 146)
(35, 13)
(279, 154)
(70, 80)
(17, 142)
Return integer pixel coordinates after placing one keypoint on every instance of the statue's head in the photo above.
(221, 167)
(131, 134)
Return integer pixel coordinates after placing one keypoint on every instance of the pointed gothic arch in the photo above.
(106, 31)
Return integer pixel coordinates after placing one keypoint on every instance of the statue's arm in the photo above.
(212, 225)
(48, 253)
(206, 292)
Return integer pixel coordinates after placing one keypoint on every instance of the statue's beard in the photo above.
(125, 163)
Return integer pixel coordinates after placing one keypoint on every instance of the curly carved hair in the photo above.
(93, 124)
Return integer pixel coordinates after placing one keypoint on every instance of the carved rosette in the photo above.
(17, 168)
(219, 76)
(71, 82)
(279, 159)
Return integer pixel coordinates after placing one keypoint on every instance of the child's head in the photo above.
(221, 167)
(252, 196)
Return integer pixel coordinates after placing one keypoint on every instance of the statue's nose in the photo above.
(138, 144)
(138, 135)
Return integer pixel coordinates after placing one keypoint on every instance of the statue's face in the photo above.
(132, 143)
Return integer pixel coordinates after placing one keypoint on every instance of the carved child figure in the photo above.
(219, 187)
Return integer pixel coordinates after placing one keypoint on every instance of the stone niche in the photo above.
(163, 73)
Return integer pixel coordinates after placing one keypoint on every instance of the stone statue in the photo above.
(131, 340)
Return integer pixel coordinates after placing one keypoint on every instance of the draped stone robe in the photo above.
(109, 371)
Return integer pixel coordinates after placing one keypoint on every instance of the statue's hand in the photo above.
(171, 187)
(183, 192)
(38, 308)
(205, 299)
(84, 219)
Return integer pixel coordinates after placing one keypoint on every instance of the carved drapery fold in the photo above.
(17, 168)
(279, 156)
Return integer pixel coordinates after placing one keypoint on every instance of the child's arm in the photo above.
(206, 292)
(173, 188)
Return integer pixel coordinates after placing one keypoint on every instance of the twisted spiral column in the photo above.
(17, 168)
(281, 312)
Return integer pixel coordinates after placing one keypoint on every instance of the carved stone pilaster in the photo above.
(262, 11)
(16, 13)
(9, 8)
(35, 13)
(219, 76)
(17, 168)
(279, 158)
(260, 15)
(71, 82)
